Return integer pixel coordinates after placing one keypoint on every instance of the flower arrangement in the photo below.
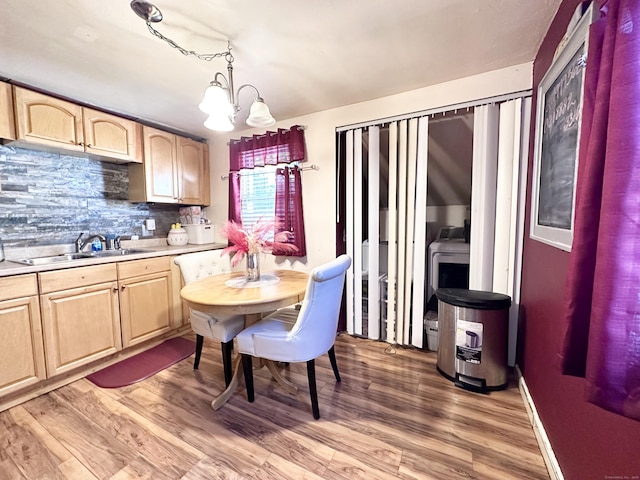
(255, 240)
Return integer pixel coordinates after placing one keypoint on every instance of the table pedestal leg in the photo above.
(286, 384)
(220, 400)
(223, 398)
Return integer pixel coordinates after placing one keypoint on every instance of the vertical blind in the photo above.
(398, 295)
(390, 305)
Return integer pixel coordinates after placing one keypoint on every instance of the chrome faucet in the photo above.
(80, 244)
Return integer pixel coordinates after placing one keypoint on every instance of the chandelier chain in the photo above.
(202, 56)
(220, 99)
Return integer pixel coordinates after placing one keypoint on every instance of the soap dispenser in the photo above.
(96, 245)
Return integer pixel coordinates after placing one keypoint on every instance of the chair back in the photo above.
(195, 266)
(317, 321)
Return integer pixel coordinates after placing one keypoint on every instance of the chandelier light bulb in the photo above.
(219, 123)
(216, 101)
(259, 115)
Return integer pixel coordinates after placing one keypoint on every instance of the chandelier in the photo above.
(221, 100)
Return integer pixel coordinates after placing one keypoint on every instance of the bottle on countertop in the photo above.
(96, 245)
(1, 250)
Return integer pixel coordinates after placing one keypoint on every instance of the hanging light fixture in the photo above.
(221, 101)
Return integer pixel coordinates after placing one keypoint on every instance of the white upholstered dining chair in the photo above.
(290, 335)
(222, 328)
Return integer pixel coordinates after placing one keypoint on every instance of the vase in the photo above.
(253, 267)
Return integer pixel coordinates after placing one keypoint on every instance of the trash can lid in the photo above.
(477, 299)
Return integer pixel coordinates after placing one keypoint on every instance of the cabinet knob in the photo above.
(81, 144)
(115, 289)
(122, 287)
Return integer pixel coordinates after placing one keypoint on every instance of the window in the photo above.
(258, 199)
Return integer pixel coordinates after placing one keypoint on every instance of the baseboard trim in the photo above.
(538, 429)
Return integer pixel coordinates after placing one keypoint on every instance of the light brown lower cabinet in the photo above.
(21, 349)
(80, 316)
(146, 299)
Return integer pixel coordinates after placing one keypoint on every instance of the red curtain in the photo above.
(289, 208)
(235, 206)
(602, 316)
(271, 148)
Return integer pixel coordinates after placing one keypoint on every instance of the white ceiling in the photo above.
(303, 56)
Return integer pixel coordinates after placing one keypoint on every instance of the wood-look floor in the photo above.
(392, 416)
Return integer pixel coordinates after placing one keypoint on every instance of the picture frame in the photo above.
(557, 140)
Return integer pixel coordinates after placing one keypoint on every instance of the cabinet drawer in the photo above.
(136, 268)
(18, 286)
(76, 277)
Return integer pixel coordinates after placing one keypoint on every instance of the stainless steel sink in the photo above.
(115, 253)
(68, 257)
(65, 257)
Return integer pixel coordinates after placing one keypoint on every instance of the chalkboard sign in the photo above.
(557, 138)
(561, 120)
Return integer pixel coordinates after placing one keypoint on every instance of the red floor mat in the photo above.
(145, 364)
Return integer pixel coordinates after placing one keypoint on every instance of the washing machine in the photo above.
(448, 263)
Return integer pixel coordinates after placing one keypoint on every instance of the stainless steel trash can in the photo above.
(472, 338)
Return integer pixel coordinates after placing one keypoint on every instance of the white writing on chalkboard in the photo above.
(561, 121)
(561, 108)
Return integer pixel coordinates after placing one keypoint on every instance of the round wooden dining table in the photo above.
(231, 293)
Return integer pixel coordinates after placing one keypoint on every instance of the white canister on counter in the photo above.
(177, 236)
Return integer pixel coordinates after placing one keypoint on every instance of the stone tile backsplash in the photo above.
(49, 198)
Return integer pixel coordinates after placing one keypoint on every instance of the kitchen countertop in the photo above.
(153, 248)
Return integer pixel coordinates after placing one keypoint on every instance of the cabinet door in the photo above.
(80, 325)
(21, 349)
(7, 121)
(190, 171)
(49, 121)
(160, 166)
(180, 309)
(111, 136)
(146, 307)
(206, 178)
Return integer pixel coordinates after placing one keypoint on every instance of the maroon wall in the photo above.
(589, 442)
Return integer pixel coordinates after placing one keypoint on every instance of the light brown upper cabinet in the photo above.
(107, 135)
(174, 170)
(7, 121)
(55, 124)
(191, 163)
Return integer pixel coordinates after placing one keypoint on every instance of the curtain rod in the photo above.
(310, 167)
(432, 111)
(301, 127)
